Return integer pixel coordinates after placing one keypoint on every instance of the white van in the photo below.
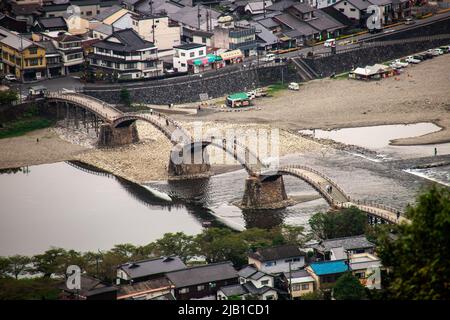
(269, 57)
(329, 43)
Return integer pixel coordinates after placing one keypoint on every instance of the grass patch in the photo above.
(276, 88)
(342, 76)
(25, 125)
(28, 289)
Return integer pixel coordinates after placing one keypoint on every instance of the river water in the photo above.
(74, 206)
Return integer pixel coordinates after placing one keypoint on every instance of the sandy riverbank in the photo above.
(25, 151)
(421, 94)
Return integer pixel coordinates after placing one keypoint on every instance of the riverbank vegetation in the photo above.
(7, 97)
(29, 121)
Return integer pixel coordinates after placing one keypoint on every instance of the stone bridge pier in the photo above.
(123, 134)
(264, 192)
(189, 162)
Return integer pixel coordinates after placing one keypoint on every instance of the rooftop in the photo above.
(151, 267)
(189, 46)
(276, 253)
(250, 272)
(329, 267)
(90, 286)
(15, 41)
(54, 22)
(348, 243)
(124, 40)
(126, 291)
(202, 274)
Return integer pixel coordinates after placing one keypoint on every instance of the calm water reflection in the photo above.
(61, 205)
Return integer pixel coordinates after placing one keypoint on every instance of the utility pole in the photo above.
(198, 16)
(290, 281)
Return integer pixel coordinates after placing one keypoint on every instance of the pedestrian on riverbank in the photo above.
(398, 215)
(435, 151)
(151, 111)
(37, 140)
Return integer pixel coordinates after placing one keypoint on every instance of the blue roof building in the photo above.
(329, 267)
(326, 273)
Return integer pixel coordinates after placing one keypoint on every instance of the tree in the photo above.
(125, 97)
(49, 262)
(18, 265)
(315, 295)
(347, 287)
(418, 257)
(179, 244)
(126, 250)
(7, 97)
(4, 267)
(294, 235)
(345, 223)
(218, 245)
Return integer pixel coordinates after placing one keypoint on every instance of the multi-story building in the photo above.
(277, 259)
(69, 46)
(159, 29)
(55, 66)
(185, 53)
(233, 36)
(22, 57)
(126, 55)
(84, 8)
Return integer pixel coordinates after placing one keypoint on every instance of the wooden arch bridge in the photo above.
(264, 188)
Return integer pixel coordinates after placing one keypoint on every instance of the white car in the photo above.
(294, 86)
(438, 51)
(269, 58)
(329, 43)
(411, 59)
(409, 21)
(433, 52)
(399, 64)
(10, 77)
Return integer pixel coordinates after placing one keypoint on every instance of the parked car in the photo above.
(409, 20)
(251, 94)
(269, 57)
(294, 86)
(400, 63)
(329, 43)
(410, 59)
(438, 51)
(419, 57)
(433, 52)
(10, 77)
(426, 55)
(445, 49)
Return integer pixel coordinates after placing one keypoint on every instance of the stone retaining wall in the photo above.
(189, 89)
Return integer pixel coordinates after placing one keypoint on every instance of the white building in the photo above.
(367, 268)
(277, 259)
(184, 53)
(251, 283)
(127, 56)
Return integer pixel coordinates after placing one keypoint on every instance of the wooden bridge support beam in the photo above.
(267, 193)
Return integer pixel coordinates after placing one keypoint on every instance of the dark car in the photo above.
(419, 57)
